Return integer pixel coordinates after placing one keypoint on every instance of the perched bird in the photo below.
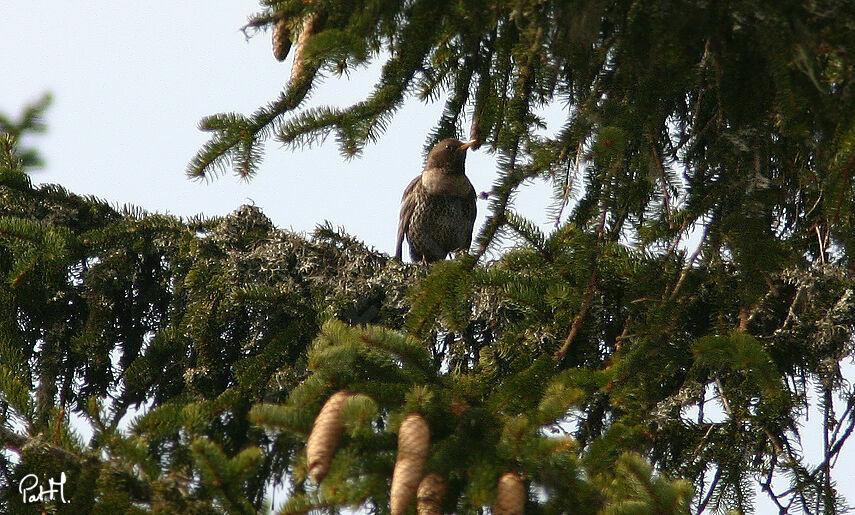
(438, 207)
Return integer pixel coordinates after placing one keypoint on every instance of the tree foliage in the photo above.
(31, 120)
(657, 352)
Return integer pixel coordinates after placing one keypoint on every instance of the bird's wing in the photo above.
(470, 210)
(408, 202)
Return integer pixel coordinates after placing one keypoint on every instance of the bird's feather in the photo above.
(408, 203)
(470, 211)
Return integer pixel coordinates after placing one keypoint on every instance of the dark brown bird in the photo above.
(438, 207)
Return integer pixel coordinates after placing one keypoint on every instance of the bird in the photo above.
(438, 206)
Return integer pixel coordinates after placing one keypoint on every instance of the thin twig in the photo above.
(15, 442)
(589, 295)
(835, 448)
(568, 187)
(713, 484)
(577, 321)
(689, 263)
(723, 398)
(661, 166)
(766, 486)
(828, 417)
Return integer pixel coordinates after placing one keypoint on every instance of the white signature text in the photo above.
(30, 482)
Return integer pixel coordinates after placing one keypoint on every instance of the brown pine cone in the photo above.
(311, 26)
(413, 442)
(325, 435)
(510, 495)
(281, 39)
(430, 495)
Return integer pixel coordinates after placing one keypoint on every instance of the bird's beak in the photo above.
(468, 144)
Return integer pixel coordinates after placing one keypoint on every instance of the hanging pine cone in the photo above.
(281, 39)
(311, 26)
(324, 437)
(510, 495)
(413, 441)
(431, 494)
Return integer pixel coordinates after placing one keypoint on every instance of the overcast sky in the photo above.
(131, 82)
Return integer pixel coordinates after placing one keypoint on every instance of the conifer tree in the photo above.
(700, 262)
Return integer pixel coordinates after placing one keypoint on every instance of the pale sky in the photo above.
(131, 82)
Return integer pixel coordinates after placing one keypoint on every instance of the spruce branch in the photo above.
(31, 120)
(237, 138)
(15, 442)
(364, 121)
(481, 123)
(512, 178)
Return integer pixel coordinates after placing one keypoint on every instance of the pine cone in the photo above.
(281, 39)
(413, 441)
(510, 495)
(431, 494)
(311, 25)
(324, 437)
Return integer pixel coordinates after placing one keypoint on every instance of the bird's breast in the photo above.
(438, 183)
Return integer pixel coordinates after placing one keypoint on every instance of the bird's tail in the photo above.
(399, 246)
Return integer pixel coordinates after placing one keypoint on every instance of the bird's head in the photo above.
(448, 155)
